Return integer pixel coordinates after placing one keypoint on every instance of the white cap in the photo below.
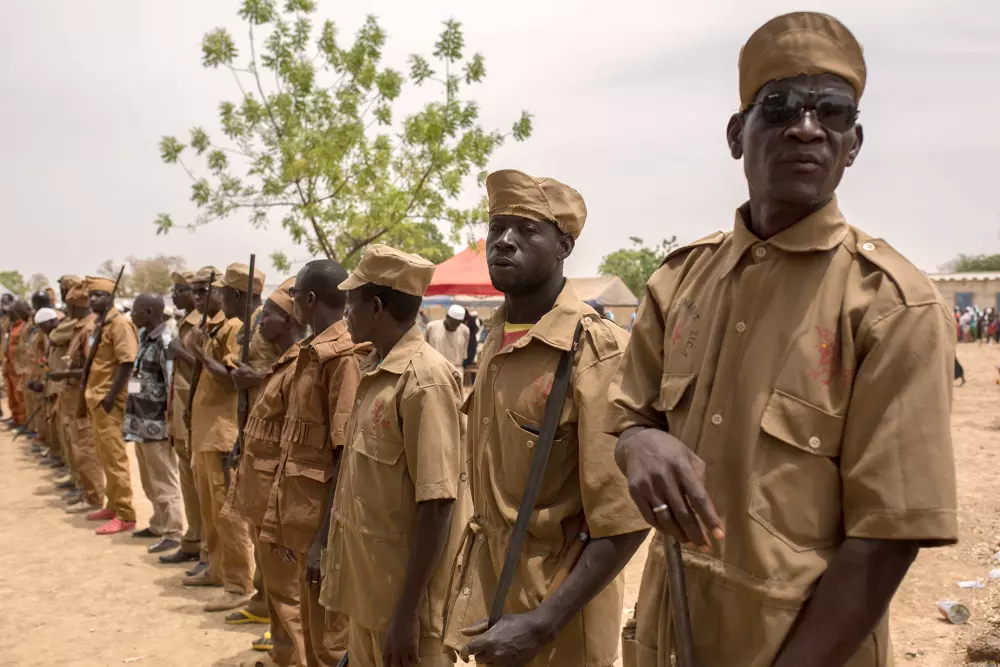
(456, 312)
(45, 315)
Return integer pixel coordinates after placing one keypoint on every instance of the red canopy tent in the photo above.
(465, 274)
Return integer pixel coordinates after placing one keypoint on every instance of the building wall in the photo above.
(984, 292)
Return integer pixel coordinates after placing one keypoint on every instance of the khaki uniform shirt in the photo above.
(812, 373)
(260, 355)
(262, 440)
(213, 418)
(181, 381)
(325, 378)
(118, 345)
(404, 447)
(21, 357)
(79, 346)
(59, 340)
(582, 487)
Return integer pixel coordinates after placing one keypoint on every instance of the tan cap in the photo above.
(204, 274)
(77, 295)
(389, 267)
(800, 43)
(513, 192)
(69, 281)
(99, 284)
(237, 275)
(281, 297)
(182, 278)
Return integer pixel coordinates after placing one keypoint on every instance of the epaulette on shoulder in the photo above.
(715, 238)
(914, 286)
(333, 348)
(602, 336)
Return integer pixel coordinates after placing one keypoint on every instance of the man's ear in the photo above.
(734, 136)
(566, 245)
(852, 155)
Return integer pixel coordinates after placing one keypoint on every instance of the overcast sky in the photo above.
(630, 99)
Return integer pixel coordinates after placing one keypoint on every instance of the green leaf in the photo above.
(522, 128)
(199, 140)
(475, 69)
(420, 69)
(218, 48)
(305, 6)
(257, 12)
(217, 161)
(170, 149)
(450, 43)
(163, 224)
(201, 192)
(280, 262)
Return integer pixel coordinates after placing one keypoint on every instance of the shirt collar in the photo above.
(290, 354)
(156, 332)
(336, 330)
(399, 356)
(821, 230)
(556, 328)
(194, 317)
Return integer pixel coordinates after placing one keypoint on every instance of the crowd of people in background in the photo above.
(977, 325)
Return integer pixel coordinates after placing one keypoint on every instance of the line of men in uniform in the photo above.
(782, 408)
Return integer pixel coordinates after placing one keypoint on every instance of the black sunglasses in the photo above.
(838, 113)
(200, 291)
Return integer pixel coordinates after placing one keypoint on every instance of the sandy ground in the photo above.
(69, 598)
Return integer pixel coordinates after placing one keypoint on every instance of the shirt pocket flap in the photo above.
(378, 449)
(801, 425)
(265, 465)
(672, 389)
(296, 469)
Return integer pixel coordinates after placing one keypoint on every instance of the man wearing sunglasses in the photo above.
(785, 400)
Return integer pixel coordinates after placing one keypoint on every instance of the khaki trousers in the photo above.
(258, 603)
(161, 484)
(192, 541)
(53, 433)
(282, 583)
(110, 444)
(366, 649)
(227, 538)
(82, 451)
(326, 633)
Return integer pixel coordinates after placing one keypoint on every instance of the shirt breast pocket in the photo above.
(674, 400)
(796, 492)
(377, 472)
(518, 437)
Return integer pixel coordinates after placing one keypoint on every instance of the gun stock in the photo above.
(82, 408)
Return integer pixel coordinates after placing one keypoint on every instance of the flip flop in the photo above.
(244, 617)
(264, 643)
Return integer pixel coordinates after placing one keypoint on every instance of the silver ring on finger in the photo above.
(661, 508)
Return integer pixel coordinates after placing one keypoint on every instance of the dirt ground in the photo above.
(69, 598)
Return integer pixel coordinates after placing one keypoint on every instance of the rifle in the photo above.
(243, 409)
(196, 371)
(82, 409)
(343, 661)
(543, 447)
(28, 423)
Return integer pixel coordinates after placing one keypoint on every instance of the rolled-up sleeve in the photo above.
(432, 437)
(897, 462)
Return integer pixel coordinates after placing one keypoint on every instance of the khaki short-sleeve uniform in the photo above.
(321, 393)
(180, 380)
(403, 447)
(260, 354)
(582, 488)
(213, 418)
(118, 345)
(262, 440)
(812, 373)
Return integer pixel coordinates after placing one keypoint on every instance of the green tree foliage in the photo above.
(312, 139)
(14, 281)
(635, 265)
(970, 263)
(143, 275)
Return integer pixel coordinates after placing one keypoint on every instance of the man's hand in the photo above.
(402, 640)
(195, 340)
(245, 377)
(286, 555)
(667, 483)
(314, 576)
(108, 404)
(514, 641)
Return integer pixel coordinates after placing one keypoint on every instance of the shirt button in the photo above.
(337, 566)
(760, 252)
(486, 420)
(815, 442)
(463, 477)
(531, 443)
(466, 591)
(493, 367)
(358, 402)
(741, 327)
(868, 246)
(717, 419)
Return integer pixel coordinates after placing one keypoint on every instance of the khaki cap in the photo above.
(281, 297)
(99, 284)
(182, 278)
(800, 43)
(69, 281)
(237, 275)
(204, 274)
(389, 267)
(77, 295)
(512, 192)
